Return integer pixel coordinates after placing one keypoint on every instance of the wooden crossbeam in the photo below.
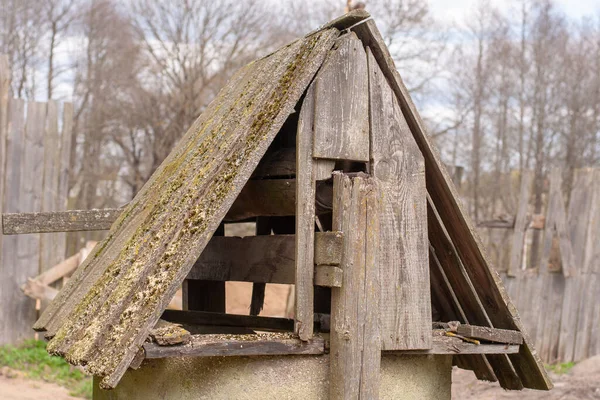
(235, 258)
(321, 321)
(268, 197)
(287, 344)
(238, 345)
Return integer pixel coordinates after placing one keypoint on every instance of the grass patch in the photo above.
(562, 368)
(31, 358)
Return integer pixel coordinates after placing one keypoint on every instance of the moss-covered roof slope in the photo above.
(103, 315)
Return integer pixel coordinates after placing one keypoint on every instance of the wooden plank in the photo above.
(397, 163)
(355, 337)
(341, 121)
(578, 216)
(556, 222)
(269, 197)
(66, 138)
(220, 319)
(30, 199)
(204, 295)
(305, 218)
(456, 346)
(490, 334)
(372, 336)
(441, 189)
(555, 286)
(51, 253)
(589, 273)
(238, 345)
(517, 248)
(14, 305)
(5, 77)
(236, 259)
(328, 276)
(66, 221)
(168, 224)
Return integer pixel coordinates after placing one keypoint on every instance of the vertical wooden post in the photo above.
(63, 173)
(355, 336)
(398, 165)
(199, 295)
(305, 219)
(49, 252)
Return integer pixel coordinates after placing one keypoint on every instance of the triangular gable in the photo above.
(444, 197)
(103, 315)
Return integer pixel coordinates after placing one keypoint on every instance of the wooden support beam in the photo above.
(490, 334)
(304, 249)
(220, 319)
(236, 258)
(355, 335)
(286, 344)
(451, 345)
(328, 276)
(238, 345)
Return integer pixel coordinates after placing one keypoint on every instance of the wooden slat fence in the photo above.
(35, 141)
(559, 300)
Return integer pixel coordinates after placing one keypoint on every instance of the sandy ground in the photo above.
(14, 387)
(582, 383)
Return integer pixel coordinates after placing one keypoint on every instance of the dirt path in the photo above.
(581, 383)
(15, 387)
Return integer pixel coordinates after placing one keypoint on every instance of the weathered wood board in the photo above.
(246, 345)
(355, 353)
(397, 163)
(579, 208)
(305, 218)
(133, 274)
(460, 228)
(20, 263)
(265, 259)
(516, 256)
(341, 120)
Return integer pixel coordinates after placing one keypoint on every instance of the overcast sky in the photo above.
(456, 9)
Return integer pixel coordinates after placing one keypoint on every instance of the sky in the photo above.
(455, 9)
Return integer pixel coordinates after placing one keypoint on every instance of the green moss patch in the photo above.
(31, 358)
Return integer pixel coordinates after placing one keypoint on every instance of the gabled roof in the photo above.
(103, 315)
